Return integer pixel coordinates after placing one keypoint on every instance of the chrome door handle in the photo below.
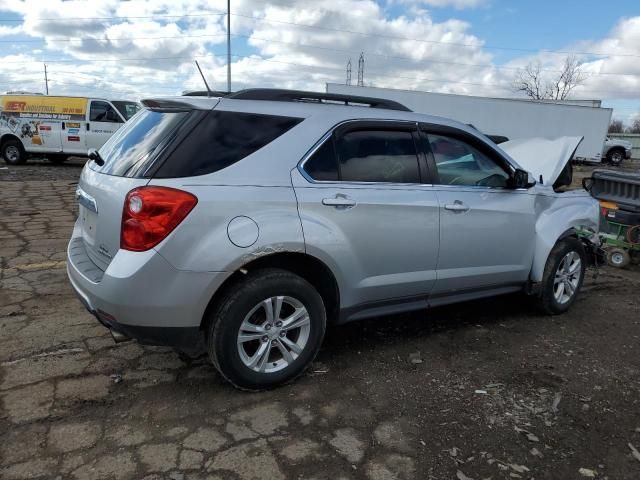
(457, 206)
(339, 201)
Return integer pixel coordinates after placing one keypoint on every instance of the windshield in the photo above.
(127, 109)
(126, 153)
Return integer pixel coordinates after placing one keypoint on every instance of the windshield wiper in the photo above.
(95, 156)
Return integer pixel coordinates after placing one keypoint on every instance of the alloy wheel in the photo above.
(273, 334)
(567, 277)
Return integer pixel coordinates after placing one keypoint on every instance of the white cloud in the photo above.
(294, 44)
(458, 4)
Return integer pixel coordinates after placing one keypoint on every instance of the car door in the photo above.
(365, 213)
(487, 228)
(104, 121)
(74, 136)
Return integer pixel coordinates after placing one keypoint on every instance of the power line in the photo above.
(430, 60)
(394, 37)
(83, 39)
(352, 32)
(64, 19)
(302, 45)
(327, 68)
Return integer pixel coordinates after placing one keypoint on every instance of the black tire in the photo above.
(228, 315)
(13, 152)
(618, 257)
(615, 156)
(546, 301)
(57, 159)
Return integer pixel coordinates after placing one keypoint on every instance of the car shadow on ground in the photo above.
(424, 323)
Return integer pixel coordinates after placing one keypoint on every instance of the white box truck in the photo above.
(57, 127)
(511, 118)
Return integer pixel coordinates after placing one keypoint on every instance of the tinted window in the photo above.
(322, 164)
(128, 149)
(127, 109)
(222, 139)
(378, 156)
(103, 112)
(459, 163)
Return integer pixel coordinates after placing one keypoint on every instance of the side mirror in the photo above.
(520, 179)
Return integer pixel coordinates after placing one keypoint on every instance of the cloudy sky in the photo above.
(135, 49)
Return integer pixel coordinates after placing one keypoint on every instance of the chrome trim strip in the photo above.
(86, 200)
(319, 143)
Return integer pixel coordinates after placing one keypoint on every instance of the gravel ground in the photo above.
(42, 169)
(482, 390)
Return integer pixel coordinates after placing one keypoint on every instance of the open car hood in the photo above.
(543, 156)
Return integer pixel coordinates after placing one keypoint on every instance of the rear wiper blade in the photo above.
(95, 156)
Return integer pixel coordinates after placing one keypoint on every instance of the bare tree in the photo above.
(534, 84)
(635, 126)
(616, 126)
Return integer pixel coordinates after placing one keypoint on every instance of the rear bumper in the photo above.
(142, 296)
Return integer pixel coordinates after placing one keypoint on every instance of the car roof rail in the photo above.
(204, 93)
(282, 95)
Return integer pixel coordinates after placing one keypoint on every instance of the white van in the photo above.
(57, 127)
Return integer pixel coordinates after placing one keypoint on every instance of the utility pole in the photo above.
(349, 72)
(229, 46)
(46, 80)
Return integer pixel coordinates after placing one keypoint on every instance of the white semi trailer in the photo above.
(511, 118)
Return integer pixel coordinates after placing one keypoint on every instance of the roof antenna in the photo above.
(204, 79)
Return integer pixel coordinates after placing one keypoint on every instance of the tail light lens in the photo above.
(150, 214)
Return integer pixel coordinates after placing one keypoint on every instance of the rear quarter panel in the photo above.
(201, 242)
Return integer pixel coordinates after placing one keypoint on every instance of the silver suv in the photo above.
(243, 225)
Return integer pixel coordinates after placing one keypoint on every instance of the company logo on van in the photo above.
(71, 138)
(13, 106)
(74, 131)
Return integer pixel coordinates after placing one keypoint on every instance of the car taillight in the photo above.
(150, 214)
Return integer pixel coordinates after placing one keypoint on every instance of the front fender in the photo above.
(559, 215)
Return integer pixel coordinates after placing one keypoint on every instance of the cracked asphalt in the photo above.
(484, 390)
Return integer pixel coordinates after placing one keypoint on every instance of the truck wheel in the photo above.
(615, 156)
(266, 330)
(618, 257)
(563, 277)
(13, 152)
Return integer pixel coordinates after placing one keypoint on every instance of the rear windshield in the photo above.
(126, 153)
(222, 139)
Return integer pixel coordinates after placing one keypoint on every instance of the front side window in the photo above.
(387, 156)
(127, 109)
(458, 163)
(103, 112)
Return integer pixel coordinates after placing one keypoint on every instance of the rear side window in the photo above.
(322, 164)
(387, 156)
(222, 139)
